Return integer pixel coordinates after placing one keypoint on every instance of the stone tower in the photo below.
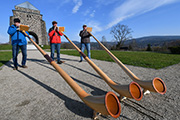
(29, 15)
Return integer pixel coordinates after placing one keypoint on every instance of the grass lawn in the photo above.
(6, 47)
(5, 57)
(46, 47)
(143, 59)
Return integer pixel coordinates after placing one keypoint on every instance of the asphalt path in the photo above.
(40, 93)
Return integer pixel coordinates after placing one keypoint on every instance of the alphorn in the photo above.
(107, 104)
(155, 85)
(133, 90)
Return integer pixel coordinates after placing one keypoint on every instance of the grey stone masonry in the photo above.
(33, 18)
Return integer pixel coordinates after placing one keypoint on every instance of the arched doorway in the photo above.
(34, 37)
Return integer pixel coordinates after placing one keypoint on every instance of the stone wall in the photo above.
(33, 18)
(44, 33)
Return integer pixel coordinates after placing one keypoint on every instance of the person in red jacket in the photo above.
(55, 41)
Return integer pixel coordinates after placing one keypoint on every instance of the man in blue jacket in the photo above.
(18, 40)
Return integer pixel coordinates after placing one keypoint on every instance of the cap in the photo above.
(84, 25)
(17, 20)
(54, 22)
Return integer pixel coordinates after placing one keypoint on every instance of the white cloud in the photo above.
(92, 14)
(86, 12)
(106, 2)
(78, 4)
(89, 13)
(127, 9)
(65, 1)
(132, 8)
(95, 25)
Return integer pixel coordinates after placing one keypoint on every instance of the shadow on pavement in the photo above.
(79, 108)
(76, 107)
(38, 60)
(69, 59)
(9, 64)
(83, 70)
(96, 91)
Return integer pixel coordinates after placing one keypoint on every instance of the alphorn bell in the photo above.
(155, 85)
(133, 90)
(106, 105)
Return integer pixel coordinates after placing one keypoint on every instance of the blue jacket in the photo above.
(17, 37)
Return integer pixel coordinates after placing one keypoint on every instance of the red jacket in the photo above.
(54, 36)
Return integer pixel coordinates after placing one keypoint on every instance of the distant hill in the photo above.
(140, 42)
(153, 40)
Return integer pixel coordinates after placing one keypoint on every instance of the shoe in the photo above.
(60, 62)
(24, 66)
(15, 68)
(80, 61)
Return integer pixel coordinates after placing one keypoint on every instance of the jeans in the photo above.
(56, 46)
(87, 45)
(15, 51)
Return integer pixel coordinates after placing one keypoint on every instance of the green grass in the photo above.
(5, 57)
(143, 59)
(6, 47)
(46, 47)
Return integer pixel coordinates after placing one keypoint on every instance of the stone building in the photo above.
(29, 15)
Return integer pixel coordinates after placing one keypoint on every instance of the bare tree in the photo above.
(133, 45)
(121, 33)
(104, 41)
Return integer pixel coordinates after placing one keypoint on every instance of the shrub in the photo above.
(149, 47)
(67, 46)
(175, 50)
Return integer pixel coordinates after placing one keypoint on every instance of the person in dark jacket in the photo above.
(18, 40)
(55, 41)
(85, 42)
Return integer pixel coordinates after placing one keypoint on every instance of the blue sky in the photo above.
(144, 17)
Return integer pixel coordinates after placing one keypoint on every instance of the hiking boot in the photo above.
(24, 66)
(15, 68)
(60, 62)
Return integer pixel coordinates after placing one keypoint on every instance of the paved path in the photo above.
(40, 93)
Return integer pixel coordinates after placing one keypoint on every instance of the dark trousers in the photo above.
(15, 51)
(57, 47)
